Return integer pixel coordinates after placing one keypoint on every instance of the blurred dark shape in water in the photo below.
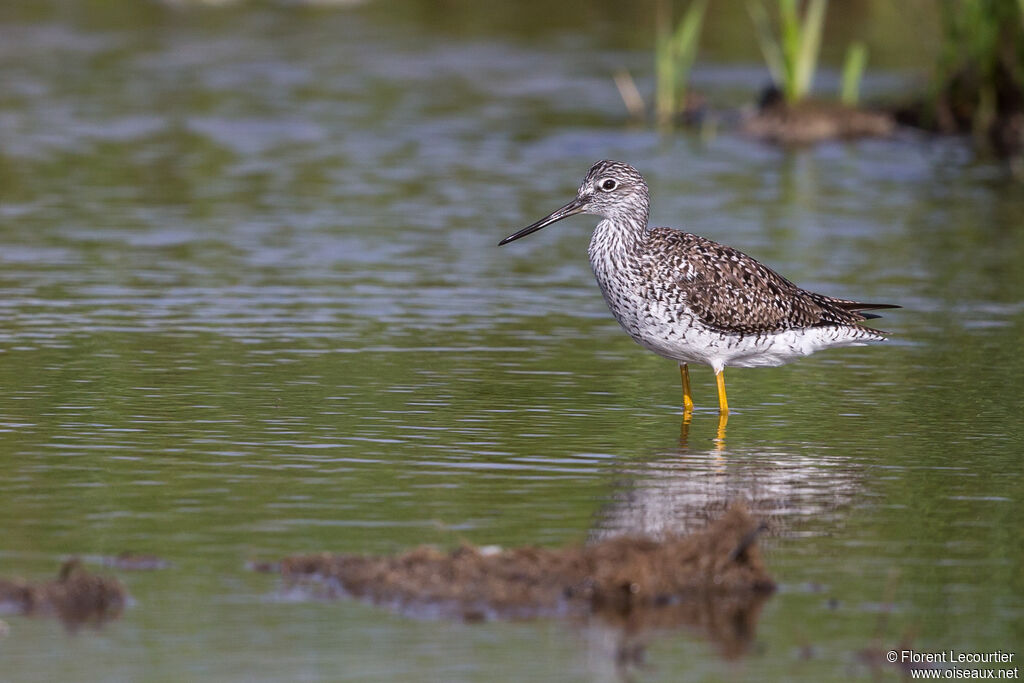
(77, 597)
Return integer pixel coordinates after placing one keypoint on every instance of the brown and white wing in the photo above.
(731, 292)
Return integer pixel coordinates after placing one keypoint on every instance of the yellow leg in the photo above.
(684, 372)
(723, 404)
(684, 430)
(723, 419)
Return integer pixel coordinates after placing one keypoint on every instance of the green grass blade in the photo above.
(789, 19)
(766, 39)
(630, 94)
(853, 72)
(664, 74)
(810, 45)
(685, 43)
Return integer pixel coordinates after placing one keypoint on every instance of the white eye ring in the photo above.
(608, 184)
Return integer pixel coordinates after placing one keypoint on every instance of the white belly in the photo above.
(670, 330)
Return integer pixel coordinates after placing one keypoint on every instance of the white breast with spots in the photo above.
(665, 329)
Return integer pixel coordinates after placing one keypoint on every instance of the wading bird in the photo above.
(693, 300)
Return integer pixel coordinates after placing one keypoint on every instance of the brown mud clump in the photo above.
(76, 597)
(810, 121)
(713, 579)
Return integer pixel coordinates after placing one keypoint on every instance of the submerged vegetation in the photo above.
(791, 53)
(978, 87)
(792, 56)
(786, 114)
(675, 53)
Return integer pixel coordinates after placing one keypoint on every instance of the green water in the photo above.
(251, 304)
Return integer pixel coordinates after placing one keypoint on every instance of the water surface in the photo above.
(252, 305)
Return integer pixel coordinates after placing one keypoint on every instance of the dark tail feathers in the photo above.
(858, 307)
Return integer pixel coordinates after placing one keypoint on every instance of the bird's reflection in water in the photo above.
(616, 643)
(679, 490)
(684, 430)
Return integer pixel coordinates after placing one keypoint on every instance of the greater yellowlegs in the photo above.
(692, 300)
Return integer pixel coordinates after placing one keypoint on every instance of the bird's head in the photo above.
(611, 189)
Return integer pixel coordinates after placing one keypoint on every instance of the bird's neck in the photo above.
(617, 233)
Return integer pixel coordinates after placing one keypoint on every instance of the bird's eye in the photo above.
(609, 185)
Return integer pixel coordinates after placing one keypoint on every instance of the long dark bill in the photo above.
(571, 209)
